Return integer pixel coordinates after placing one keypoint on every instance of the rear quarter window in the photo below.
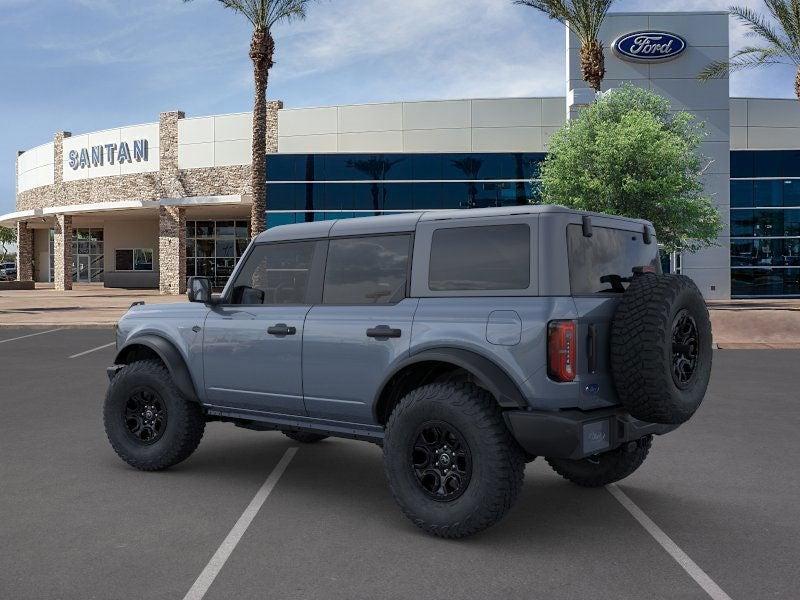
(607, 252)
(490, 257)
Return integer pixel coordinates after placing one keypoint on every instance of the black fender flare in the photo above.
(170, 356)
(495, 379)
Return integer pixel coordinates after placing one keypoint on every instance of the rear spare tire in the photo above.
(661, 348)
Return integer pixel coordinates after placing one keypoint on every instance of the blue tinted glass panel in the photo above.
(791, 192)
(365, 196)
(768, 193)
(742, 223)
(742, 164)
(275, 219)
(790, 165)
(791, 222)
(456, 195)
(765, 282)
(281, 167)
(768, 163)
(426, 166)
(426, 196)
(397, 196)
(463, 166)
(741, 194)
(282, 196)
(310, 167)
(531, 163)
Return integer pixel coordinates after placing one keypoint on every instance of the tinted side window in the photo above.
(368, 270)
(493, 257)
(275, 274)
(607, 252)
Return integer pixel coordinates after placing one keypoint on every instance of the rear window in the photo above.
(492, 257)
(368, 270)
(607, 252)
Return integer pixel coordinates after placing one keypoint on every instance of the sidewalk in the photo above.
(737, 324)
(87, 305)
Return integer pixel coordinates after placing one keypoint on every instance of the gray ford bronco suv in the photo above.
(465, 343)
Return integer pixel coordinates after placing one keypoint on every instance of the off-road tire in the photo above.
(184, 427)
(304, 437)
(498, 463)
(605, 468)
(642, 349)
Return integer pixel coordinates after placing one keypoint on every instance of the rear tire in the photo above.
(148, 422)
(304, 437)
(605, 468)
(451, 462)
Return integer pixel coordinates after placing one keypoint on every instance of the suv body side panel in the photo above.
(174, 323)
(343, 367)
(461, 323)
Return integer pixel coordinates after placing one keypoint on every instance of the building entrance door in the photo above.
(83, 269)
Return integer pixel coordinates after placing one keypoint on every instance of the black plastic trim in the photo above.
(559, 434)
(170, 356)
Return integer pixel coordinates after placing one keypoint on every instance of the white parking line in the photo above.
(695, 572)
(85, 352)
(206, 578)
(22, 337)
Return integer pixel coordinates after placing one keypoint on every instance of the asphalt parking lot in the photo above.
(76, 522)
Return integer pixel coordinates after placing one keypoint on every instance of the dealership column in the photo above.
(24, 252)
(171, 250)
(62, 253)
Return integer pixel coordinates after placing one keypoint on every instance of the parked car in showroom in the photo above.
(465, 343)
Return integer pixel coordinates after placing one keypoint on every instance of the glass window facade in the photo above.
(315, 187)
(765, 223)
(214, 247)
(87, 255)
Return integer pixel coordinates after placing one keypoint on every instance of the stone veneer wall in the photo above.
(171, 250)
(62, 251)
(24, 252)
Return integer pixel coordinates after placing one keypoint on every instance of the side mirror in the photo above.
(198, 289)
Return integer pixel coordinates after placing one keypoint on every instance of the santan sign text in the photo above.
(97, 156)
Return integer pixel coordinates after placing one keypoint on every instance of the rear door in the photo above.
(612, 249)
(252, 348)
(362, 326)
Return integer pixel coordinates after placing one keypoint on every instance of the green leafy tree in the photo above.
(778, 40)
(263, 15)
(584, 19)
(628, 155)
(8, 236)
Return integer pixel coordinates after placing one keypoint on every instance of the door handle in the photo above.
(383, 332)
(281, 329)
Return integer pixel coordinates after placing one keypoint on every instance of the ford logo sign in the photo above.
(649, 46)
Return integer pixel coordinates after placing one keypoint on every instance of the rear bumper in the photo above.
(576, 434)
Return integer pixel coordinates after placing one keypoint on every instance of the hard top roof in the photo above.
(405, 222)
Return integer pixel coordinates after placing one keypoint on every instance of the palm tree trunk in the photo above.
(797, 84)
(262, 48)
(593, 64)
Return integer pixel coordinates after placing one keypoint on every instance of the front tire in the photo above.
(148, 422)
(452, 464)
(605, 468)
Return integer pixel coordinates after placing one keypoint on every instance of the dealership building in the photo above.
(148, 205)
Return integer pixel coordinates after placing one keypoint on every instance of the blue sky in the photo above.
(84, 65)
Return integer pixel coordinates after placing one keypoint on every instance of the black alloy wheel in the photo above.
(685, 348)
(441, 461)
(145, 415)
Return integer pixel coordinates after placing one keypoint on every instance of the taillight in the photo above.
(561, 341)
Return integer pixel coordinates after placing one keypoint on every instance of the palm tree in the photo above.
(583, 18)
(262, 15)
(780, 42)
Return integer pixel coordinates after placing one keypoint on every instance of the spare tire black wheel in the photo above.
(661, 348)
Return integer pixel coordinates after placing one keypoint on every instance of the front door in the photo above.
(83, 269)
(362, 326)
(252, 341)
